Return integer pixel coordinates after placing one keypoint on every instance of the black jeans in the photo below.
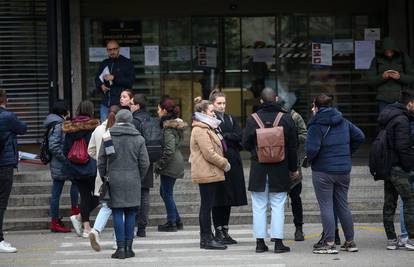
(88, 202)
(6, 182)
(221, 216)
(296, 203)
(142, 215)
(207, 193)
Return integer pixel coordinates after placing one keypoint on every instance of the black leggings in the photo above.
(6, 182)
(221, 216)
(207, 194)
(296, 203)
(88, 202)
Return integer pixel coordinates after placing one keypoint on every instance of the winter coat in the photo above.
(278, 173)
(390, 90)
(10, 127)
(93, 151)
(126, 168)
(79, 127)
(206, 158)
(123, 71)
(397, 120)
(332, 153)
(302, 132)
(233, 191)
(56, 139)
(139, 116)
(171, 162)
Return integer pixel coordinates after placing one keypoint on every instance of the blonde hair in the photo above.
(200, 104)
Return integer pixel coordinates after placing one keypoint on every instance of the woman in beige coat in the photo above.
(207, 166)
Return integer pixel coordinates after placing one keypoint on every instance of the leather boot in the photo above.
(261, 245)
(279, 247)
(129, 253)
(167, 227)
(228, 240)
(207, 242)
(120, 251)
(57, 226)
(299, 234)
(219, 235)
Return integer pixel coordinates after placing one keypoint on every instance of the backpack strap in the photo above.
(258, 120)
(278, 118)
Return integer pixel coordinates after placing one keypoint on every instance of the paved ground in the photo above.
(181, 249)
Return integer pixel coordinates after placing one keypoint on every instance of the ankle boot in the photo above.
(167, 227)
(261, 245)
(228, 240)
(219, 235)
(279, 247)
(337, 238)
(120, 251)
(299, 234)
(57, 226)
(75, 210)
(208, 242)
(129, 253)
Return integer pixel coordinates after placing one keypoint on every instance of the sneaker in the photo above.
(349, 246)
(410, 244)
(77, 225)
(325, 249)
(6, 247)
(94, 239)
(402, 241)
(85, 234)
(167, 227)
(392, 244)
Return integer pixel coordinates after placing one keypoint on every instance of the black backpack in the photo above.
(380, 162)
(152, 133)
(45, 155)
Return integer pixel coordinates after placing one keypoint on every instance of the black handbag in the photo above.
(104, 189)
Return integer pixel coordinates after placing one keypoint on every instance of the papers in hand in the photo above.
(103, 74)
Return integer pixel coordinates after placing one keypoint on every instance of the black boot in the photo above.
(337, 238)
(299, 234)
(207, 242)
(120, 251)
(279, 247)
(219, 235)
(129, 253)
(180, 225)
(261, 245)
(167, 227)
(141, 232)
(228, 239)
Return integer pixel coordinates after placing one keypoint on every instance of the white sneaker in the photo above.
(85, 234)
(77, 225)
(410, 244)
(94, 239)
(6, 247)
(402, 241)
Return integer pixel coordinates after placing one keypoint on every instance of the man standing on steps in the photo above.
(115, 74)
(10, 127)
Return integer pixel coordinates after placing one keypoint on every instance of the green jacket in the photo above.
(390, 90)
(302, 132)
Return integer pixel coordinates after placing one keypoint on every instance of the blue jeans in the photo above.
(124, 223)
(404, 232)
(102, 217)
(103, 112)
(57, 188)
(167, 194)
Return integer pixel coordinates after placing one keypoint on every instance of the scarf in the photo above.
(210, 121)
(108, 144)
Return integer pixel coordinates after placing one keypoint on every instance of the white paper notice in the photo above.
(364, 53)
(372, 34)
(343, 46)
(322, 54)
(263, 55)
(152, 57)
(207, 56)
(98, 54)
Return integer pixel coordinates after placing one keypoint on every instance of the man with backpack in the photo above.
(395, 119)
(10, 127)
(271, 137)
(391, 71)
(150, 129)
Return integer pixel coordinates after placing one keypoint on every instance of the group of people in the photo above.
(117, 153)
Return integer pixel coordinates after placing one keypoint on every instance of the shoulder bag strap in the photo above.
(258, 120)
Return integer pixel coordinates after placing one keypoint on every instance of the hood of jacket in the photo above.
(177, 123)
(389, 44)
(123, 129)
(52, 118)
(200, 124)
(327, 116)
(390, 112)
(80, 123)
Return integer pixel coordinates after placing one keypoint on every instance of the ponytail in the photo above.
(111, 116)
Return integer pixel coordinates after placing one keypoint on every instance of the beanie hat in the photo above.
(123, 116)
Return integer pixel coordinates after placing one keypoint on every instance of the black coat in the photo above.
(396, 118)
(138, 117)
(278, 173)
(232, 192)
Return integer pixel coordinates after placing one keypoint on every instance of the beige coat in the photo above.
(93, 151)
(207, 160)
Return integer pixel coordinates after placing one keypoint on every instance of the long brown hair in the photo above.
(216, 93)
(85, 108)
(111, 116)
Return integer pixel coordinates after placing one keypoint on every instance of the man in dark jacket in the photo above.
(139, 115)
(115, 74)
(390, 72)
(10, 127)
(270, 182)
(396, 118)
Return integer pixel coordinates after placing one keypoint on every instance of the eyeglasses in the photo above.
(112, 49)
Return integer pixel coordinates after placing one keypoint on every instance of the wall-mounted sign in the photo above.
(364, 53)
(127, 33)
(343, 46)
(207, 56)
(322, 54)
(372, 34)
(152, 55)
